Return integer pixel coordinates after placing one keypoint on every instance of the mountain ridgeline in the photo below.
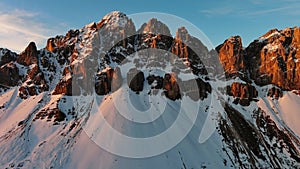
(253, 129)
(271, 59)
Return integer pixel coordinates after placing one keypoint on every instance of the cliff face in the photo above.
(243, 93)
(191, 49)
(29, 56)
(231, 55)
(271, 59)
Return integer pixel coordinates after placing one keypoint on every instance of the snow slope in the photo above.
(285, 110)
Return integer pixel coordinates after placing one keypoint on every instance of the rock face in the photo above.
(154, 27)
(156, 82)
(9, 74)
(171, 87)
(29, 56)
(151, 36)
(64, 87)
(35, 83)
(135, 80)
(118, 30)
(103, 82)
(107, 81)
(63, 46)
(271, 59)
(240, 134)
(244, 93)
(231, 56)
(275, 92)
(55, 113)
(196, 88)
(7, 56)
(180, 49)
(59, 43)
(23, 69)
(190, 48)
(37, 76)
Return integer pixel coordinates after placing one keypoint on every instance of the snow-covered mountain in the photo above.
(62, 106)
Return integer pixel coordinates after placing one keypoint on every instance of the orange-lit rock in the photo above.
(29, 56)
(231, 55)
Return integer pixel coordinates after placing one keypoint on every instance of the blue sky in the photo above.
(31, 20)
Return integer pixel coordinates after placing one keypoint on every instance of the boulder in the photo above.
(135, 80)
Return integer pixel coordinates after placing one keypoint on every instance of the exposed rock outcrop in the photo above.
(35, 83)
(231, 56)
(64, 87)
(29, 56)
(192, 49)
(171, 87)
(9, 74)
(154, 34)
(135, 80)
(154, 27)
(103, 82)
(62, 43)
(108, 80)
(275, 92)
(271, 59)
(244, 93)
(241, 135)
(118, 31)
(7, 56)
(156, 82)
(50, 114)
(196, 88)
(82, 62)
(64, 46)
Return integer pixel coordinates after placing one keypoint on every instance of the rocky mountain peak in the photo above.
(6, 56)
(116, 20)
(231, 55)
(114, 15)
(29, 56)
(270, 33)
(154, 26)
(274, 59)
(114, 28)
(296, 36)
(182, 34)
(271, 59)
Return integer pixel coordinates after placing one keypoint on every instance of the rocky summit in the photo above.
(246, 98)
(271, 59)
